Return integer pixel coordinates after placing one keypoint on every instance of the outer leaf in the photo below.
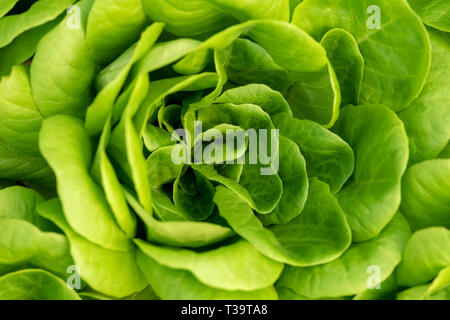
(111, 272)
(22, 242)
(7, 5)
(442, 281)
(133, 144)
(21, 119)
(124, 19)
(219, 268)
(39, 13)
(255, 9)
(33, 284)
(426, 253)
(23, 47)
(401, 37)
(180, 284)
(372, 196)
(435, 13)
(348, 274)
(15, 165)
(427, 121)
(20, 203)
(417, 293)
(62, 70)
(65, 144)
(426, 194)
(306, 240)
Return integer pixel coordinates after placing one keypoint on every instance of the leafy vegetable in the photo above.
(224, 149)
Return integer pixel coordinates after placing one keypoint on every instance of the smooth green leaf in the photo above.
(219, 268)
(426, 194)
(372, 195)
(426, 253)
(34, 284)
(311, 244)
(65, 144)
(396, 55)
(351, 273)
(111, 272)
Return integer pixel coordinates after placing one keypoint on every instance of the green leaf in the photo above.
(174, 284)
(270, 101)
(401, 38)
(445, 154)
(385, 291)
(442, 281)
(426, 195)
(266, 191)
(16, 165)
(20, 203)
(114, 273)
(165, 53)
(103, 104)
(417, 293)
(350, 273)
(250, 63)
(316, 96)
(426, 121)
(22, 242)
(21, 118)
(61, 74)
(39, 13)
(426, 253)
(65, 144)
(188, 18)
(34, 284)
(6, 6)
(311, 244)
(292, 171)
(347, 61)
(104, 174)
(23, 47)
(133, 142)
(254, 9)
(160, 167)
(156, 138)
(327, 156)
(435, 13)
(188, 234)
(372, 196)
(124, 19)
(219, 268)
(197, 202)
